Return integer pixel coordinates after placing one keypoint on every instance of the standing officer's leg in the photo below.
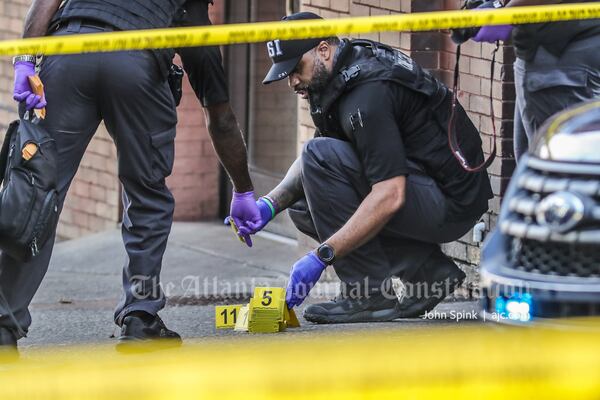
(552, 84)
(72, 118)
(140, 114)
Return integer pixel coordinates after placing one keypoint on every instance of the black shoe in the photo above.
(375, 308)
(8, 345)
(437, 279)
(141, 327)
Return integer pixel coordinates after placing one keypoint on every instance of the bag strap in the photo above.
(6, 148)
(452, 139)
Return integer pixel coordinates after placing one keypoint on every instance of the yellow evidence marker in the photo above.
(227, 316)
(267, 312)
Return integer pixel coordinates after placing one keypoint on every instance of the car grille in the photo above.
(561, 259)
(537, 249)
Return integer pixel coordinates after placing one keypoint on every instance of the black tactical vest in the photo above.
(124, 14)
(363, 61)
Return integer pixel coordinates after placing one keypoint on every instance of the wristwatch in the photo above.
(326, 253)
(25, 58)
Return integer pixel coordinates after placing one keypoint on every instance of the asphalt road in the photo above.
(203, 262)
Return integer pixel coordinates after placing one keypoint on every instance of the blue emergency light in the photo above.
(517, 307)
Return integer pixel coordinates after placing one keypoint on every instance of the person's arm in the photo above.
(36, 24)
(39, 16)
(493, 33)
(380, 148)
(385, 199)
(229, 145)
(205, 71)
(289, 189)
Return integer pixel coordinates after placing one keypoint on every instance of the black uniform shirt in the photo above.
(369, 120)
(395, 125)
(203, 65)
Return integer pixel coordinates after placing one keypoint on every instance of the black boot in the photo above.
(8, 345)
(344, 309)
(434, 281)
(141, 327)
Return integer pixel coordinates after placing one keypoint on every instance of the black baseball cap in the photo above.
(286, 54)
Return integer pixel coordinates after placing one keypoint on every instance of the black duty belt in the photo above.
(74, 24)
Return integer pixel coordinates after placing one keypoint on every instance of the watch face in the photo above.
(326, 253)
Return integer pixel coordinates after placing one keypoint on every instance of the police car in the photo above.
(543, 259)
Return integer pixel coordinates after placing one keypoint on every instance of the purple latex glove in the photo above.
(266, 215)
(245, 214)
(22, 90)
(305, 274)
(493, 33)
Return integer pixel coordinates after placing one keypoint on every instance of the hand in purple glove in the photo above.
(267, 213)
(305, 274)
(493, 33)
(22, 89)
(245, 214)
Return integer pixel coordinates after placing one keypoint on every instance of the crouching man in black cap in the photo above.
(378, 186)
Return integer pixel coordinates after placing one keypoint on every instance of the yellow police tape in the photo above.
(264, 31)
(485, 362)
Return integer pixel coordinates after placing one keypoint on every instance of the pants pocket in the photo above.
(163, 153)
(570, 77)
(548, 91)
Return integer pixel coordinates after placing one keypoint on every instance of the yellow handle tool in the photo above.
(235, 230)
(38, 88)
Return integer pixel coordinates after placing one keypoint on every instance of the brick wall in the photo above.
(436, 52)
(93, 202)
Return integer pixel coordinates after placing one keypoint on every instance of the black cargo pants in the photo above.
(334, 186)
(548, 84)
(127, 91)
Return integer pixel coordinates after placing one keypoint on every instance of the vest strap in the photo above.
(350, 72)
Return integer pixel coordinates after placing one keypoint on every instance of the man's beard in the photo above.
(321, 78)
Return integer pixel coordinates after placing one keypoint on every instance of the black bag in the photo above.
(28, 198)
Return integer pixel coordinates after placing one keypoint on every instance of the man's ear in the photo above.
(325, 51)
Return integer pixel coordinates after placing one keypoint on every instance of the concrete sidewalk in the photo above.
(203, 264)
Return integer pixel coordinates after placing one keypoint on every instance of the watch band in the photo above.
(271, 205)
(24, 58)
